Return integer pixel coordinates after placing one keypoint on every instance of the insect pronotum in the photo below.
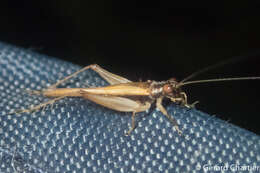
(125, 95)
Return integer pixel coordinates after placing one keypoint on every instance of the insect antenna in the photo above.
(228, 61)
(218, 80)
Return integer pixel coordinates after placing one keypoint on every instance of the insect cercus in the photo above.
(125, 95)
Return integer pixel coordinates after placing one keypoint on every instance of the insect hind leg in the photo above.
(92, 66)
(109, 77)
(39, 106)
(34, 92)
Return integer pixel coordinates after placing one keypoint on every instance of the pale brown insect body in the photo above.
(125, 95)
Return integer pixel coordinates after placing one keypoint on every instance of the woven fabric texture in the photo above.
(77, 135)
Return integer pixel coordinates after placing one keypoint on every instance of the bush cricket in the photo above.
(127, 96)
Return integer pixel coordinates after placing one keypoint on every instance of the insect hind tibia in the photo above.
(34, 92)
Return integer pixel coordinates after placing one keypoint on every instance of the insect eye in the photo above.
(173, 79)
(167, 88)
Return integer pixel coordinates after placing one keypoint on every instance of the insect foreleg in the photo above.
(184, 98)
(163, 110)
(184, 101)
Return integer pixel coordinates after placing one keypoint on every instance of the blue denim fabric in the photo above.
(77, 135)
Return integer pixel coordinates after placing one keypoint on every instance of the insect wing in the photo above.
(125, 89)
(113, 102)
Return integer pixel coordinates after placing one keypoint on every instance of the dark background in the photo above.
(151, 40)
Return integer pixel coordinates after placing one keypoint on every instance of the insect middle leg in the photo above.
(141, 108)
(133, 125)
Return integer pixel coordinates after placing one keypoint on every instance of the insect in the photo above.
(127, 96)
